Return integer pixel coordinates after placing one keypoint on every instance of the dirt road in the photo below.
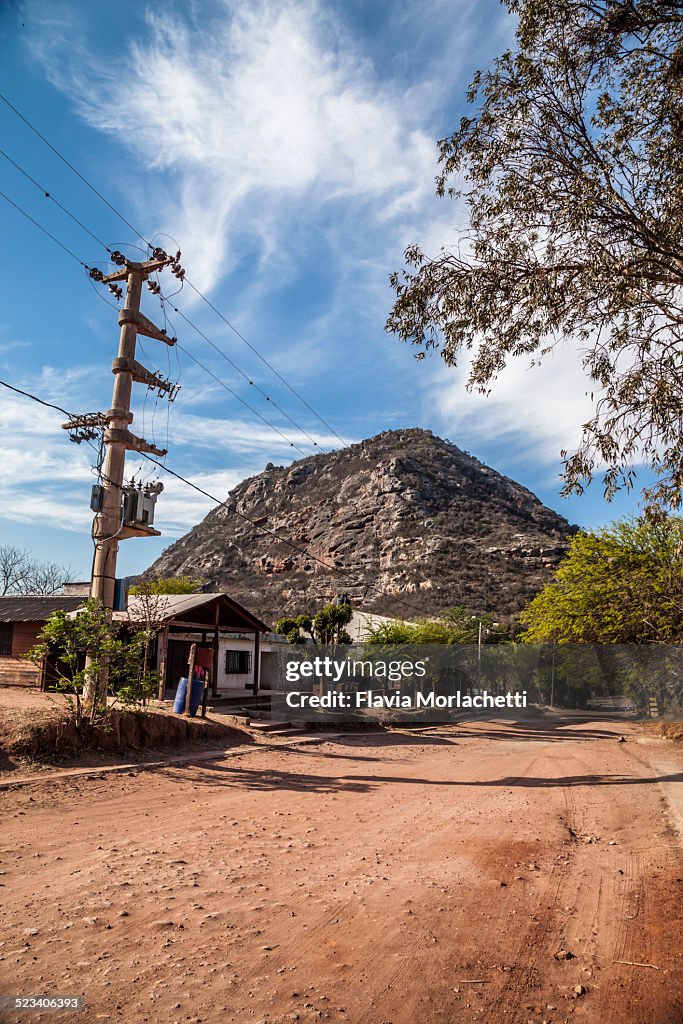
(369, 880)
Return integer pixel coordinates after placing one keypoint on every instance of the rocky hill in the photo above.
(405, 523)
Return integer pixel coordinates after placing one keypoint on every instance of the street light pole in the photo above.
(552, 679)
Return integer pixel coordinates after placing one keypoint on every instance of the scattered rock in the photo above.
(579, 990)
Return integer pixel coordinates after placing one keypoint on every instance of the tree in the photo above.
(149, 612)
(457, 625)
(166, 585)
(22, 574)
(91, 634)
(622, 584)
(327, 626)
(571, 170)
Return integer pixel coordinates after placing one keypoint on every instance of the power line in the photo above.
(78, 174)
(48, 195)
(201, 295)
(215, 377)
(245, 376)
(239, 398)
(27, 394)
(44, 230)
(48, 405)
(166, 299)
(266, 363)
(231, 508)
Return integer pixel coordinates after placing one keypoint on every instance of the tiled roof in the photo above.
(34, 608)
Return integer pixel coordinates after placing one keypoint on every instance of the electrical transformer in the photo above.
(139, 502)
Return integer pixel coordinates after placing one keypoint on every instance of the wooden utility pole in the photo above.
(110, 525)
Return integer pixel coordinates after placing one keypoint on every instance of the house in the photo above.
(234, 644)
(363, 623)
(21, 620)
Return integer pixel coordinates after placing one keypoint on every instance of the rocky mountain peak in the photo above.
(404, 522)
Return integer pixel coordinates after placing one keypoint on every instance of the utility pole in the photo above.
(552, 679)
(110, 525)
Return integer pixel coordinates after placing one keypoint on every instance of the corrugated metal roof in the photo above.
(170, 606)
(166, 606)
(181, 606)
(33, 608)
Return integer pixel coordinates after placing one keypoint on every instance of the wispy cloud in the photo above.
(265, 106)
(533, 411)
(52, 486)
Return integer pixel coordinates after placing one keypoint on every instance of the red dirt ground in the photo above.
(368, 879)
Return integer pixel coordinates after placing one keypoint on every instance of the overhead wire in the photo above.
(198, 292)
(266, 363)
(166, 299)
(49, 195)
(244, 375)
(255, 412)
(44, 230)
(239, 398)
(71, 167)
(338, 570)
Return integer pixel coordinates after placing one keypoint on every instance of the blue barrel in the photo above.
(195, 696)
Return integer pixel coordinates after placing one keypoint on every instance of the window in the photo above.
(237, 662)
(6, 629)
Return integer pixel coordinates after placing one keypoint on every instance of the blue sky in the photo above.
(289, 148)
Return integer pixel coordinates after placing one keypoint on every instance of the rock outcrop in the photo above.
(405, 524)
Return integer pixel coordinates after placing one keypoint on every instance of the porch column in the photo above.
(257, 660)
(214, 670)
(163, 658)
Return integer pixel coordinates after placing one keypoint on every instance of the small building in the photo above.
(21, 620)
(234, 644)
(362, 623)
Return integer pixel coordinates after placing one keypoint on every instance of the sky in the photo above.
(289, 150)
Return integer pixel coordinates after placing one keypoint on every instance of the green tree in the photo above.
(571, 171)
(327, 626)
(457, 625)
(295, 627)
(622, 584)
(167, 585)
(69, 639)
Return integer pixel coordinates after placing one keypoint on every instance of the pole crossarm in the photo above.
(88, 419)
(144, 326)
(144, 269)
(118, 435)
(142, 375)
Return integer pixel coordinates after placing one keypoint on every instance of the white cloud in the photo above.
(45, 479)
(260, 107)
(533, 412)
